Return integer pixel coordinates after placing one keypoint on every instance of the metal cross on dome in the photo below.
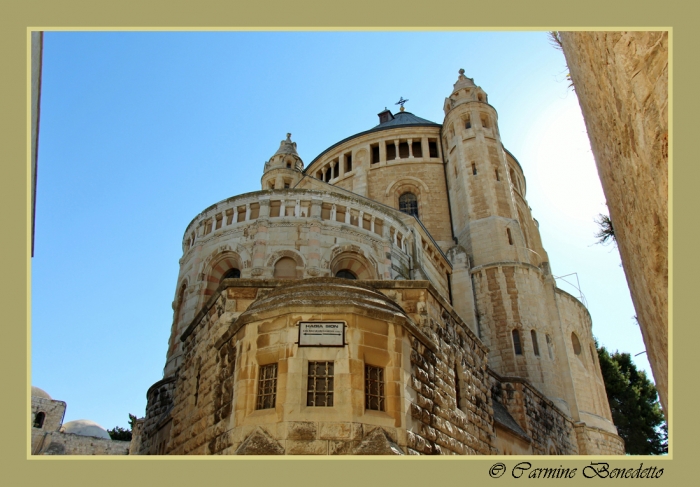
(401, 102)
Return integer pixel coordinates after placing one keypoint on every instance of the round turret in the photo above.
(284, 168)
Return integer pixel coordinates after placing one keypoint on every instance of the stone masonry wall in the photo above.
(158, 407)
(544, 423)
(69, 444)
(621, 79)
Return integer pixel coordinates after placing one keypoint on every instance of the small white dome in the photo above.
(85, 427)
(36, 392)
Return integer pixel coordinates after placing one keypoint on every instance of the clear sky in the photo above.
(142, 131)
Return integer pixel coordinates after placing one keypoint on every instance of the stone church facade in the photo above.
(390, 297)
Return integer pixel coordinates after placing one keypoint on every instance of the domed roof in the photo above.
(85, 427)
(397, 120)
(36, 392)
(403, 118)
(324, 294)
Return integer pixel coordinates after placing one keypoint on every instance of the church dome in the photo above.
(85, 427)
(36, 392)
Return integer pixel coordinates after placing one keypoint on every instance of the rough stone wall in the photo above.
(54, 412)
(156, 423)
(69, 444)
(594, 441)
(544, 423)
(440, 426)
(621, 79)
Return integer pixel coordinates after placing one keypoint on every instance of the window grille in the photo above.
(320, 384)
(408, 203)
(374, 388)
(267, 387)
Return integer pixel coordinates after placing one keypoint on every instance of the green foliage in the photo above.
(634, 405)
(606, 233)
(120, 434)
(123, 434)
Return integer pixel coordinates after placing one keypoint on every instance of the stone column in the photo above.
(247, 211)
(235, 215)
(264, 211)
(347, 215)
(410, 148)
(396, 148)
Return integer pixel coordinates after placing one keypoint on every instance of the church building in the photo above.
(392, 296)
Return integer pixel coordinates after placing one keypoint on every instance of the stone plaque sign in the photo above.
(321, 334)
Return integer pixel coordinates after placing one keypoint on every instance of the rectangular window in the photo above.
(510, 237)
(516, 343)
(348, 162)
(403, 149)
(375, 153)
(535, 345)
(267, 387)
(417, 149)
(319, 391)
(432, 148)
(474, 169)
(484, 120)
(390, 151)
(374, 388)
(468, 122)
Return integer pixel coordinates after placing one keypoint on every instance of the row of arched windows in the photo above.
(518, 345)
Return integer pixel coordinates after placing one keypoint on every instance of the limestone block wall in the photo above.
(54, 411)
(70, 444)
(215, 410)
(621, 80)
(545, 424)
(157, 423)
(513, 297)
(591, 398)
(595, 441)
(388, 181)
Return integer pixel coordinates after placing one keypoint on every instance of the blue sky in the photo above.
(140, 131)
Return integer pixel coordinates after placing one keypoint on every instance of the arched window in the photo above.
(408, 203)
(345, 274)
(39, 420)
(286, 268)
(231, 274)
(576, 343)
(516, 343)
